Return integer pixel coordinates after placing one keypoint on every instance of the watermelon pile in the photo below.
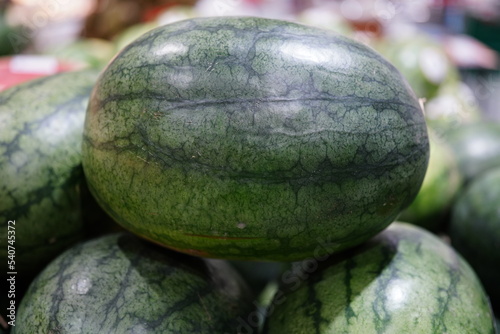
(239, 175)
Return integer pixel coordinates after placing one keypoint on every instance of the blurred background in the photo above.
(447, 49)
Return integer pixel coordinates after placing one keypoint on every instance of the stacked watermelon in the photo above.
(244, 138)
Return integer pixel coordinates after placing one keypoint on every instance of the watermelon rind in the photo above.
(119, 283)
(405, 280)
(248, 138)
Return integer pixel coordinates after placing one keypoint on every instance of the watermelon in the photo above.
(422, 60)
(455, 104)
(41, 126)
(441, 184)
(475, 229)
(404, 280)
(121, 284)
(249, 138)
(476, 146)
(86, 52)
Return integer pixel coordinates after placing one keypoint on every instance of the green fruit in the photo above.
(441, 184)
(454, 105)
(475, 229)
(476, 146)
(91, 52)
(41, 125)
(122, 284)
(422, 61)
(249, 138)
(405, 280)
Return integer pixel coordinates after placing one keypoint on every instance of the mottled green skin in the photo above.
(476, 146)
(122, 284)
(249, 138)
(405, 280)
(442, 183)
(41, 126)
(475, 229)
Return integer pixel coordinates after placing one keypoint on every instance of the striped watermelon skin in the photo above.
(405, 280)
(41, 126)
(120, 283)
(249, 138)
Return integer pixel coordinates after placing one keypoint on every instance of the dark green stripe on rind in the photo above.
(40, 165)
(250, 138)
(405, 280)
(120, 284)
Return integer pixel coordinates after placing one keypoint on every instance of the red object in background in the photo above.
(18, 69)
(152, 13)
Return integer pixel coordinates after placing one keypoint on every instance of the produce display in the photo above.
(404, 280)
(122, 284)
(239, 174)
(475, 229)
(250, 138)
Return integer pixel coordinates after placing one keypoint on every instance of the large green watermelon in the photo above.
(475, 229)
(122, 284)
(405, 280)
(250, 138)
(41, 126)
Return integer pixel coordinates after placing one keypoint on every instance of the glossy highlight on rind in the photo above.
(122, 284)
(41, 127)
(404, 280)
(250, 138)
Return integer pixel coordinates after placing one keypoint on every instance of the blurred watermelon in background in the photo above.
(454, 104)
(422, 61)
(476, 147)
(88, 52)
(475, 229)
